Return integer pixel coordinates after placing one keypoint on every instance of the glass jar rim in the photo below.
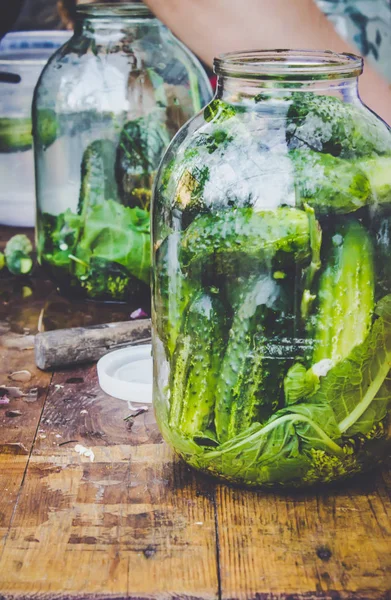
(113, 9)
(288, 64)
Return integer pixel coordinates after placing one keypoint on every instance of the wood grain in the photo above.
(135, 522)
(333, 544)
(18, 424)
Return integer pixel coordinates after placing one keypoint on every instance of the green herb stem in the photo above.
(78, 260)
(370, 394)
(267, 428)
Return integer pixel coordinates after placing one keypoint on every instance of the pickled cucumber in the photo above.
(249, 384)
(196, 366)
(141, 145)
(173, 291)
(97, 176)
(346, 294)
(15, 135)
(243, 237)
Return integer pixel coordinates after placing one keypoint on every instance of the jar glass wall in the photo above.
(272, 281)
(23, 55)
(105, 109)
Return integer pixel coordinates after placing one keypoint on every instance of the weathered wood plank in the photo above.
(134, 523)
(26, 306)
(78, 410)
(12, 468)
(18, 423)
(334, 544)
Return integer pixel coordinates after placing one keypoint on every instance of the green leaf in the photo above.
(278, 451)
(299, 383)
(141, 220)
(263, 455)
(315, 424)
(119, 234)
(206, 438)
(219, 111)
(359, 388)
(383, 309)
(298, 444)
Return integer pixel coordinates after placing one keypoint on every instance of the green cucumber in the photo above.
(378, 171)
(97, 176)
(45, 127)
(250, 383)
(244, 237)
(140, 149)
(15, 134)
(328, 183)
(173, 291)
(196, 365)
(346, 294)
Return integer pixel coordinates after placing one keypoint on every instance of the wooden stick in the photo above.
(65, 347)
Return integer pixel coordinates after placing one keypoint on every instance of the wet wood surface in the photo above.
(136, 522)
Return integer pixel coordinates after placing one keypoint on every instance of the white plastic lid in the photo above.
(126, 374)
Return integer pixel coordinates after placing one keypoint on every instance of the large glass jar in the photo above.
(272, 275)
(105, 109)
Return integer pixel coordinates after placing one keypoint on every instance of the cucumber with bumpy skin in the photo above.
(173, 291)
(45, 127)
(378, 171)
(249, 384)
(196, 364)
(97, 175)
(329, 184)
(244, 237)
(346, 294)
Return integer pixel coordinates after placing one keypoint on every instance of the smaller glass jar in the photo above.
(272, 279)
(23, 55)
(105, 109)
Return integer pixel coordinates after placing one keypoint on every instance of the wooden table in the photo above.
(136, 522)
